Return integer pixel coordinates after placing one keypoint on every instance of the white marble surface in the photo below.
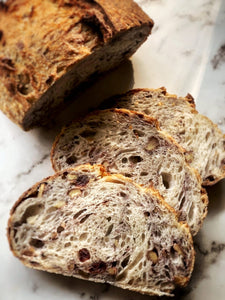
(185, 53)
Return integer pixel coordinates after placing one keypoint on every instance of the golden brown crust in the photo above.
(129, 10)
(32, 63)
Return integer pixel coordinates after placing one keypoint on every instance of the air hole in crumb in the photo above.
(180, 169)
(152, 144)
(124, 160)
(135, 159)
(31, 211)
(32, 195)
(157, 233)
(85, 218)
(138, 132)
(125, 262)
(166, 178)
(60, 229)
(122, 133)
(114, 263)
(144, 173)
(131, 281)
(121, 276)
(128, 212)
(64, 175)
(128, 175)
(182, 203)
(85, 194)
(36, 243)
(144, 276)
(210, 178)
(79, 213)
(51, 209)
(68, 244)
(191, 212)
(207, 136)
(94, 124)
(83, 236)
(88, 133)
(50, 80)
(140, 266)
(167, 274)
(110, 228)
(23, 85)
(98, 267)
(147, 213)
(122, 194)
(173, 252)
(146, 111)
(71, 160)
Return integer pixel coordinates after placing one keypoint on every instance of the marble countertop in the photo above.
(186, 54)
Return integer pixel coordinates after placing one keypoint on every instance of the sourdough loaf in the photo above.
(203, 140)
(48, 47)
(132, 144)
(88, 224)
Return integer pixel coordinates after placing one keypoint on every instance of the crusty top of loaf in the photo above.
(40, 40)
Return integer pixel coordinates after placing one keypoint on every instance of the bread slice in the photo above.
(131, 144)
(203, 140)
(48, 47)
(87, 224)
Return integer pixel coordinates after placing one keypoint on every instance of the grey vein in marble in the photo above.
(39, 162)
(219, 57)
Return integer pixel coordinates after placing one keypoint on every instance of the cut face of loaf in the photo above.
(132, 144)
(204, 142)
(48, 48)
(84, 223)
